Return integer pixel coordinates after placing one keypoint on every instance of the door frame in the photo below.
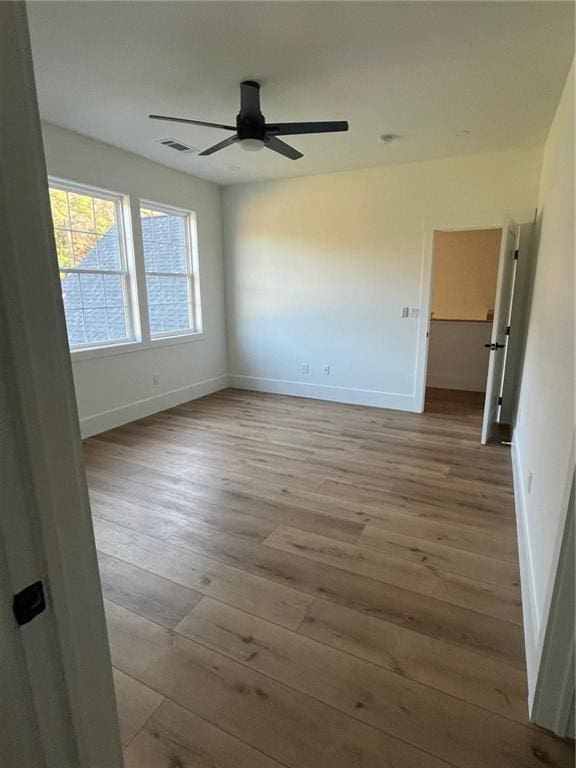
(500, 329)
(483, 220)
(45, 404)
(551, 698)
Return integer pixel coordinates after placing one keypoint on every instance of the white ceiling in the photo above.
(422, 70)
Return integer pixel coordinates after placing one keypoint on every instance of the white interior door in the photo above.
(36, 724)
(499, 338)
(57, 706)
(19, 742)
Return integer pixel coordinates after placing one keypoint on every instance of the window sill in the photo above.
(135, 346)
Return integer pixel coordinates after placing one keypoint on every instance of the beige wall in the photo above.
(543, 441)
(465, 271)
(319, 268)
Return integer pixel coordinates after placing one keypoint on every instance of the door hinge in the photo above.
(499, 401)
(507, 330)
(516, 254)
(29, 603)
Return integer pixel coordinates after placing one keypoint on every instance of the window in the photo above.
(169, 239)
(91, 250)
(105, 279)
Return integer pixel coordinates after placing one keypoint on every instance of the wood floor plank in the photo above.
(176, 738)
(263, 597)
(103, 459)
(150, 519)
(190, 463)
(144, 592)
(476, 678)
(422, 523)
(462, 494)
(195, 496)
(465, 518)
(439, 555)
(161, 523)
(421, 577)
(388, 701)
(136, 703)
(436, 618)
(288, 726)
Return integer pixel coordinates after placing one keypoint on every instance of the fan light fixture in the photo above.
(251, 145)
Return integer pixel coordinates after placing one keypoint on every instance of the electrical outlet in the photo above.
(405, 312)
(326, 370)
(530, 479)
(414, 312)
(156, 379)
(304, 368)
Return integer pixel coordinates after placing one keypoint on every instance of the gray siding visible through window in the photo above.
(168, 265)
(97, 283)
(92, 268)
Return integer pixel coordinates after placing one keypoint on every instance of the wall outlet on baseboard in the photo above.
(529, 482)
(326, 370)
(156, 379)
(304, 368)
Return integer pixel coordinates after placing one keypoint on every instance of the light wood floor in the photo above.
(313, 585)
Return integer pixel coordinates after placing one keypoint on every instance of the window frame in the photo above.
(126, 272)
(192, 274)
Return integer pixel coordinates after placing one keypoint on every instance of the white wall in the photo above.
(544, 430)
(318, 269)
(117, 388)
(457, 358)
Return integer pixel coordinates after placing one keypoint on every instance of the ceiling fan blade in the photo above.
(217, 147)
(192, 122)
(291, 129)
(249, 98)
(282, 148)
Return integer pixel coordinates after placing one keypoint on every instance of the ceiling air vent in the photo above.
(179, 146)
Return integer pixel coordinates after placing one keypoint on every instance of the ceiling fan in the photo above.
(252, 131)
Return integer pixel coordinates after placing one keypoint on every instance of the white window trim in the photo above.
(136, 346)
(127, 271)
(132, 253)
(193, 274)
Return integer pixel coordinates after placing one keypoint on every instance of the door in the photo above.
(57, 705)
(35, 718)
(499, 338)
(19, 742)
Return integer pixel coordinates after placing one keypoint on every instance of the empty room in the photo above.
(287, 384)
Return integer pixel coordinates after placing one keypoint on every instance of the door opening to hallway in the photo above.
(471, 297)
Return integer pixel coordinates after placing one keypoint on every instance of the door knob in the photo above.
(495, 346)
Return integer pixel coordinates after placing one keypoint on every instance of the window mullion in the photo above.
(189, 263)
(82, 310)
(139, 288)
(167, 274)
(79, 271)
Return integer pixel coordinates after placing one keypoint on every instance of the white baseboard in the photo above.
(529, 597)
(101, 422)
(370, 397)
(468, 383)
